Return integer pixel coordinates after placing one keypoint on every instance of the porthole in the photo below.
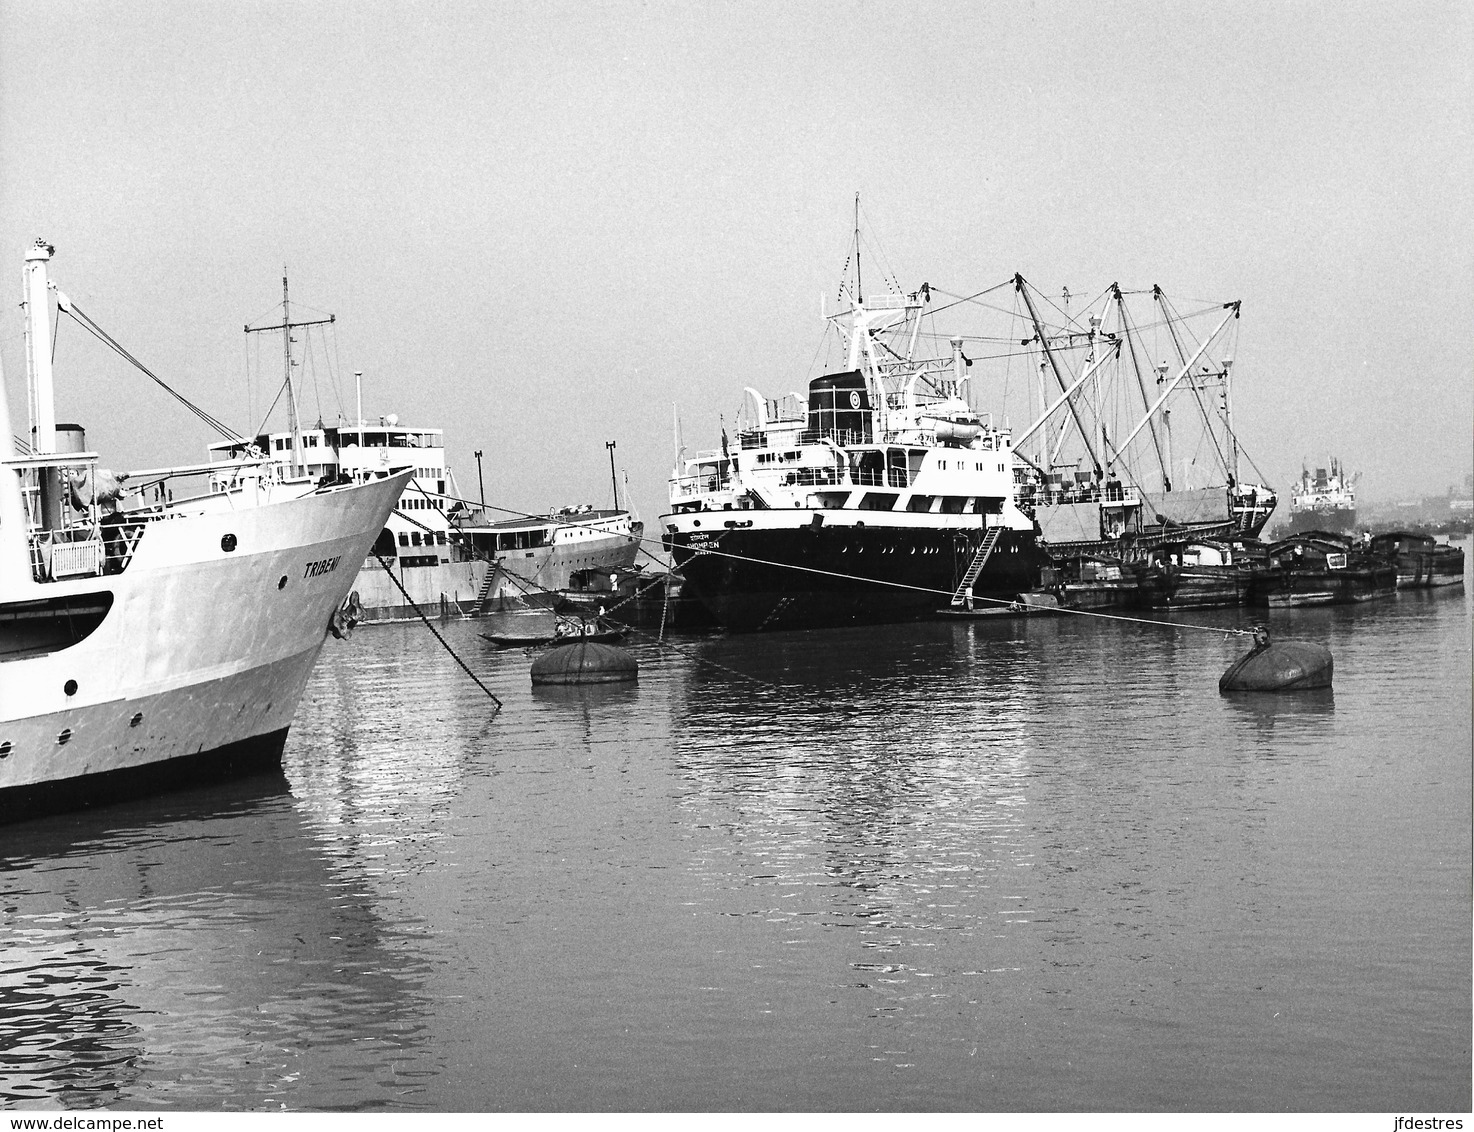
(281, 583)
(5, 749)
(227, 543)
(136, 720)
(70, 687)
(62, 739)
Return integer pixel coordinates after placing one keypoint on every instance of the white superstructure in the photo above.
(424, 557)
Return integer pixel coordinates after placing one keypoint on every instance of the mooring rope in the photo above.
(445, 644)
(882, 582)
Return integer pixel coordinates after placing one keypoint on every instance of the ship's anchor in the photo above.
(345, 617)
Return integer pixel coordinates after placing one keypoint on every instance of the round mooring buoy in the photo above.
(584, 662)
(1282, 666)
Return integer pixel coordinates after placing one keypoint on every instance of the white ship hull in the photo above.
(580, 559)
(446, 589)
(575, 553)
(196, 669)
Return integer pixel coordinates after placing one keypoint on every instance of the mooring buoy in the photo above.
(1278, 666)
(584, 662)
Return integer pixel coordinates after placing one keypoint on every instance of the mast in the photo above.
(859, 287)
(1233, 438)
(613, 482)
(43, 397)
(1129, 332)
(1044, 464)
(1170, 318)
(1166, 435)
(1018, 281)
(1233, 313)
(38, 349)
(286, 326)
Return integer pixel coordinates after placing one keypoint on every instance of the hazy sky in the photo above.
(542, 224)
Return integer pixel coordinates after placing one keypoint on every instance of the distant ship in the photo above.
(147, 640)
(1325, 501)
(441, 551)
(438, 553)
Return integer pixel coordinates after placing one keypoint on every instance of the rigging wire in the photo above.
(335, 370)
(873, 243)
(85, 321)
(1069, 319)
(282, 388)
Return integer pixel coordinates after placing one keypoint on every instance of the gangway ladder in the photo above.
(486, 584)
(963, 596)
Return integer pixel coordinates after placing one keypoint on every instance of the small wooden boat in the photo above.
(1096, 581)
(1031, 603)
(564, 636)
(1194, 574)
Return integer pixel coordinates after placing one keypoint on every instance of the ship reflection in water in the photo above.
(199, 953)
(1034, 865)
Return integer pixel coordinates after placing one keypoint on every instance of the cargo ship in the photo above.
(879, 495)
(1324, 500)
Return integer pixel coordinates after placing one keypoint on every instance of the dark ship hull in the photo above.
(809, 576)
(1339, 520)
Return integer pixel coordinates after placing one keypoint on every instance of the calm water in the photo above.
(1000, 866)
